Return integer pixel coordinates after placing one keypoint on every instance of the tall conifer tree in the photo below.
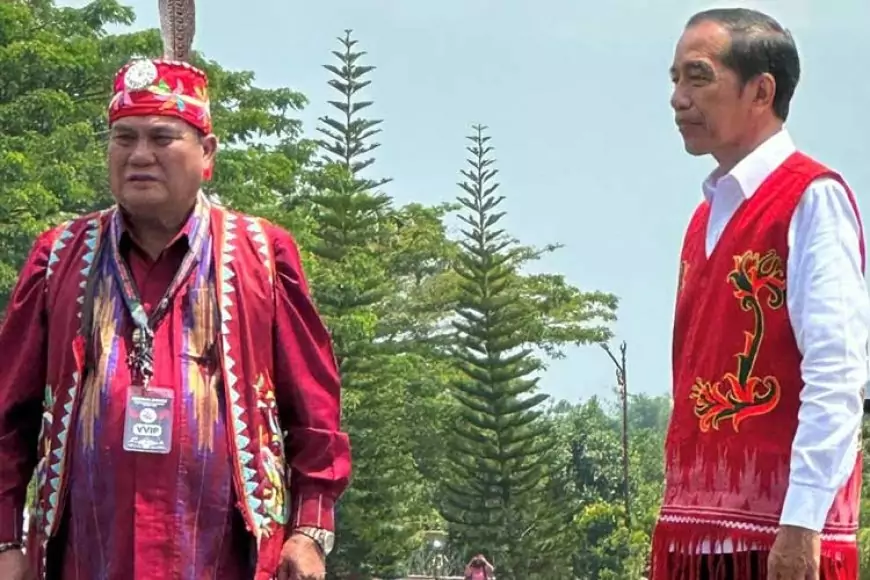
(500, 449)
(350, 280)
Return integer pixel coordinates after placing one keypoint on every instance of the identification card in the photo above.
(148, 422)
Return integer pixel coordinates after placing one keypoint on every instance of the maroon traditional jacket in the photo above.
(251, 259)
(737, 384)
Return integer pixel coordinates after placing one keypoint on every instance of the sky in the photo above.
(575, 95)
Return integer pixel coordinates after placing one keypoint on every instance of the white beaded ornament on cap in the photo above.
(140, 75)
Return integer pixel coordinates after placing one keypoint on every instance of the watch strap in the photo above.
(9, 546)
(323, 538)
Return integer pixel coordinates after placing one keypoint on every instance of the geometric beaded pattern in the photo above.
(246, 233)
(54, 470)
(242, 435)
(59, 244)
(745, 526)
(258, 235)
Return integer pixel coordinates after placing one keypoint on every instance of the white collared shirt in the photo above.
(829, 310)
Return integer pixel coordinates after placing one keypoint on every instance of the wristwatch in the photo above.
(323, 538)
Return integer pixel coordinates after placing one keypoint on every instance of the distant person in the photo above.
(763, 473)
(479, 569)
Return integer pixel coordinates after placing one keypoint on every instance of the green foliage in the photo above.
(647, 461)
(864, 523)
(263, 163)
(588, 455)
(52, 103)
(607, 550)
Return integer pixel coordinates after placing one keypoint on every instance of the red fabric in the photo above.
(737, 381)
(149, 536)
(318, 453)
(23, 348)
(157, 87)
(306, 386)
(748, 566)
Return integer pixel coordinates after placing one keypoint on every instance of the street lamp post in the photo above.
(622, 382)
(438, 560)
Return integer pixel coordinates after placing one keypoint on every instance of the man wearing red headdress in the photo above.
(166, 375)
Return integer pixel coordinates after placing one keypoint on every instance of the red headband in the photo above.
(158, 87)
(164, 88)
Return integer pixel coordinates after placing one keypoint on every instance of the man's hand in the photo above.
(301, 559)
(14, 566)
(795, 555)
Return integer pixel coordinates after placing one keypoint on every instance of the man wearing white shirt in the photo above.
(763, 470)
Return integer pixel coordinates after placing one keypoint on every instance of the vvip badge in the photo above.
(148, 423)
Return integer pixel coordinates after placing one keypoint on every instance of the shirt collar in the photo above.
(750, 173)
(126, 238)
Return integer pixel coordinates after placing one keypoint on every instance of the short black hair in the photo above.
(759, 44)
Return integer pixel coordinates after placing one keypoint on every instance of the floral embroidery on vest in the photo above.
(272, 454)
(44, 446)
(759, 283)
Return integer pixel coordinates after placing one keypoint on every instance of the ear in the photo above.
(764, 91)
(209, 151)
(209, 148)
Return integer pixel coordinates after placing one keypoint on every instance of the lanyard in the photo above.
(141, 358)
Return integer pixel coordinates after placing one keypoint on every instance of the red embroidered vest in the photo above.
(243, 251)
(737, 381)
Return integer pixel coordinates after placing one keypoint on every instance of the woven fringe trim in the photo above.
(676, 555)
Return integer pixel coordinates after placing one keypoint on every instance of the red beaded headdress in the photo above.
(168, 86)
(162, 87)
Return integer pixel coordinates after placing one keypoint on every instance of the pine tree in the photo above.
(499, 450)
(348, 139)
(348, 209)
(350, 280)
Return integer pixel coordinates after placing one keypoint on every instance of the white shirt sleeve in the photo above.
(829, 309)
